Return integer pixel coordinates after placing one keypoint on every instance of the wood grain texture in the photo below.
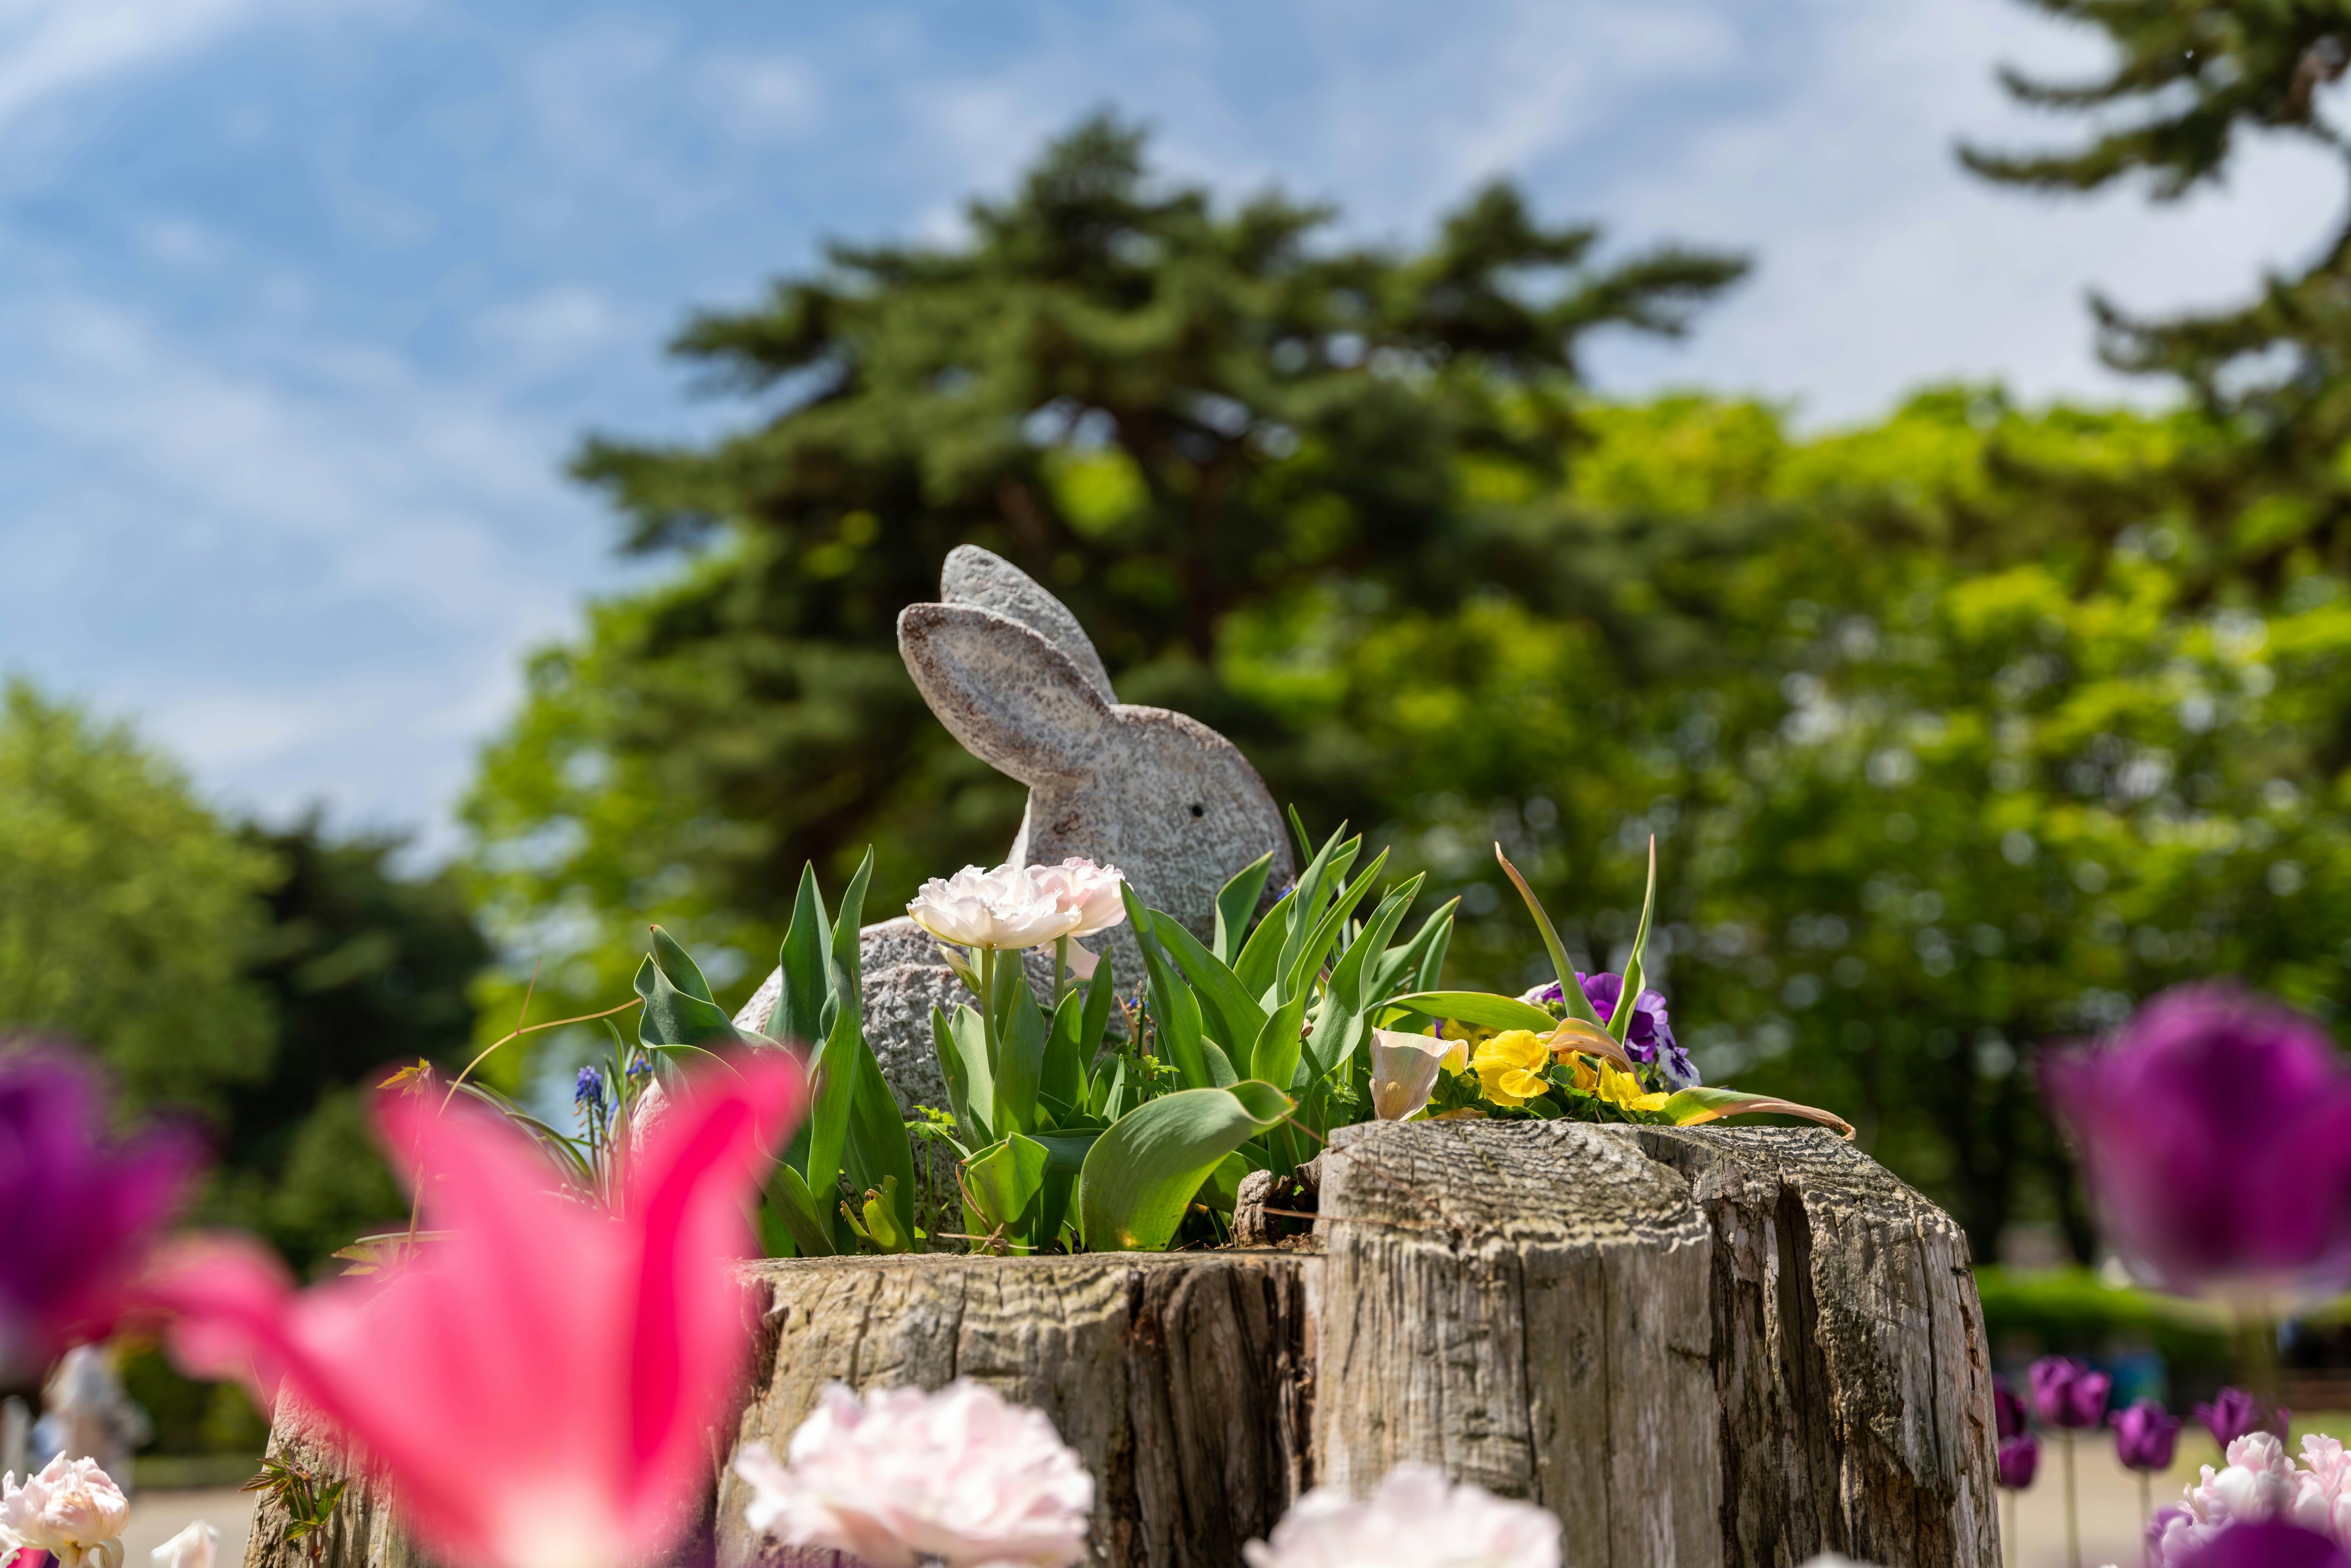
(1848, 1354)
(1696, 1346)
(1524, 1303)
(1181, 1380)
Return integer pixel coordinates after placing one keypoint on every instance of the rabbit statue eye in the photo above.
(1199, 810)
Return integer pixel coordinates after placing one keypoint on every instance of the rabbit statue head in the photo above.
(1164, 798)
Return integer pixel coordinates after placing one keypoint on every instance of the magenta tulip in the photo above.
(540, 1384)
(2145, 1436)
(2018, 1459)
(2067, 1394)
(2235, 1413)
(78, 1209)
(2269, 1544)
(2007, 1410)
(2214, 1136)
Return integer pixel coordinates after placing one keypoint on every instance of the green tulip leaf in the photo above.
(1141, 1174)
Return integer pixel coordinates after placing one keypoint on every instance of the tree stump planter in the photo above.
(1695, 1346)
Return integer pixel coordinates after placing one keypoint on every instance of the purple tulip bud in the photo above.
(2065, 1393)
(2145, 1436)
(2270, 1544)
(2234, 1413)
(2019, 1459)
(2007, 1410)
(79, 1210)
(2214, 1135)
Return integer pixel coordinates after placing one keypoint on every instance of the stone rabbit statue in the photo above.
(1164, 798)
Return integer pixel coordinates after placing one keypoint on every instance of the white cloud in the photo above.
(319, 583)
(766, 96)
(1884, 263)
(49, 47)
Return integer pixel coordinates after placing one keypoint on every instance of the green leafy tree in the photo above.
(127, 909)
(363, 969)
(2186, 83)
(1166, 410)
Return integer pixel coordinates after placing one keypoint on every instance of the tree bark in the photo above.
(1695, 1346)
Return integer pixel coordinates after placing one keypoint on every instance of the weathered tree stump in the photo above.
(1695, 1346)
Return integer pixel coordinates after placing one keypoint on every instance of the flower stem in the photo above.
(987, 981)
(2073, 1519)
(2145, 1513)
(1060, 969)
(2257, 1363)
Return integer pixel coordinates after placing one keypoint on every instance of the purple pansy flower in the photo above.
(2065, 1393)
(78, 1209)
(2235, 1413)
(2145, 1436)
(2214, 1135)
(1648, 1038)
(2019, 1458)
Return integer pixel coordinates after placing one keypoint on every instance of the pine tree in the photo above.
(1164, 409)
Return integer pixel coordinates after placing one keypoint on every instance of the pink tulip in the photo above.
(539, 1384)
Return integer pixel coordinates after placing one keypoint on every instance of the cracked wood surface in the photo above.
(1696, 1346)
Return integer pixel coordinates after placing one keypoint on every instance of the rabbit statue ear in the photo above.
(1015, 700)
(975, 576)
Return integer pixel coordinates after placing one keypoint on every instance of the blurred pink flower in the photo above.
(2233, 1413)
(2214, 1134)
(1089, 891)
(961, 1475)
(79, 1210)
(2145, 1436)
(2067, 1393)
(71, 1507)
(2007, 1410)
(541, 1383)
(2018, 1461)
(2269, 1545)
(1417, 1518)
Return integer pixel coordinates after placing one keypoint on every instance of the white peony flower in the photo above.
(1004, 908)
(192, 1548)
(960, 1475)
(1416, 1520)
(71, 1507)
(1091, 890)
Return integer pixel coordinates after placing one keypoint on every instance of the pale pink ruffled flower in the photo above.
(1416, 1520)
(1090, 890)
(2322, 1499)
(2258, 1484)
(71, 1507)
(961, 1475)
(1004, 909)
(194, 1547)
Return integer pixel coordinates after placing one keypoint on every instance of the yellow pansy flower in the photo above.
(1509, 1066)
(1619, 1087)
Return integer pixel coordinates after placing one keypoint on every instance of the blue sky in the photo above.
(304, 302)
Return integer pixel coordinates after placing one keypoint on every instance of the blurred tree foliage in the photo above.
(256, 977)
(1958, 732)
(364, 968)
(1165, 412)
(126, 909)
